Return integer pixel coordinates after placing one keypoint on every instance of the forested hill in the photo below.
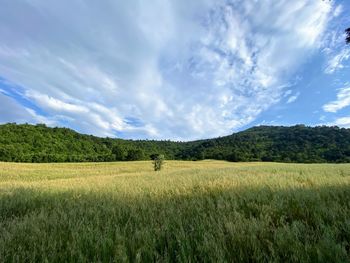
(29, 143)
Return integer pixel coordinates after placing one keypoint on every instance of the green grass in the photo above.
(207, 211)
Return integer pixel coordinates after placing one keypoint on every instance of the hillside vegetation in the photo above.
(207, 211)
(28, 143)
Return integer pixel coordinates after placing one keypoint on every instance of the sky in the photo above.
(174, 69)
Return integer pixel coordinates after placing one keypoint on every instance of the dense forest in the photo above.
(39, 143)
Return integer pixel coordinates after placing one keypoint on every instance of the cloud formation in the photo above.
(342, 101)
(343, 122)
(337, 61)
(293, 98)
(166, 69)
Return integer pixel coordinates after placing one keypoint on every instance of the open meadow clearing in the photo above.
(207, 211)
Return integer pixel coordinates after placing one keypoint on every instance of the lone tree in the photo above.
(158, 162)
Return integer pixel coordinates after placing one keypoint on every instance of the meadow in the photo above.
(205, 211)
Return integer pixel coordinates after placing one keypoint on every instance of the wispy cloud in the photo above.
(342, 101)
(337, 53)
(293, 98)
(337, 61)
(185, 70)
(11, 110)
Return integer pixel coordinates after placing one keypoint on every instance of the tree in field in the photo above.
(158, 162)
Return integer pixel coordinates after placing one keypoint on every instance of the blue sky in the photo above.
(174, 69)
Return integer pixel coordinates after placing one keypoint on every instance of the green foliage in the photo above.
(297, 144)
(158, 162)
(119, 152)
(135, 155)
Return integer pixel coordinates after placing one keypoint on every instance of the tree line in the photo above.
(300, 144)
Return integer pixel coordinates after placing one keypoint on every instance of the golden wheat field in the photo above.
(207, 211)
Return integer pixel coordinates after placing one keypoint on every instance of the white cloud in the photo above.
(336, 62)
(293, 98)
(49, 103)
(287, 93)
(333, 44)
(183, 69)
(3, 91)
(11, 111)
(342, 101)
(338, 10)
(343, 122)
(17, 112)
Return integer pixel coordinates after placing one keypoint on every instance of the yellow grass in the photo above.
(127, 212)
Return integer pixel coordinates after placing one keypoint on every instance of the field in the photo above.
(207, 211)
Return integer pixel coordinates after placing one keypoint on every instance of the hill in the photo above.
(302, 144)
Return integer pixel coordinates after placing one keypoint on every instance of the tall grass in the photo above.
(207, 211)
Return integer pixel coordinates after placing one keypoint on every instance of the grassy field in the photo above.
(208, 211)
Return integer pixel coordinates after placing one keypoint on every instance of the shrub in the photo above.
(158, 162)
